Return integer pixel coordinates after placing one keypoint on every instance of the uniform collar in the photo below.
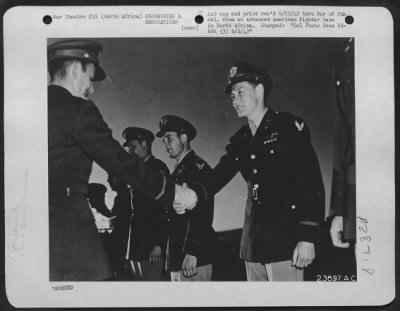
(267, 116)
(148, 158)
(59, 89)
(184, 156)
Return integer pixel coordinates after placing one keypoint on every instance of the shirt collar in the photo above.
(254, 125)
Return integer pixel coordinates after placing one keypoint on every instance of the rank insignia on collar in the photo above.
(200, 165)
(299, 126)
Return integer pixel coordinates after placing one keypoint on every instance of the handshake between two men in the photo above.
(185, 199)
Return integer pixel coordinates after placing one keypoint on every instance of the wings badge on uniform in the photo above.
(200, 165)
(299, 126)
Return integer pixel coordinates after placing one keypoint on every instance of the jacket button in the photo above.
(293, 206)
(253, 156)
(255, 171)
(272, 151)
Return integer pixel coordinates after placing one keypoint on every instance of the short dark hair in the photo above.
(58, 67)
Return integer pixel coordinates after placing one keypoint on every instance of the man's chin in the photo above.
(241, 114)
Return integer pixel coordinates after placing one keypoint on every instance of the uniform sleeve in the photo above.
(95, 138)
(308, 185)
(200, 233)
(226, 168)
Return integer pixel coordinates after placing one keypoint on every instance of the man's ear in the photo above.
(260, 90)
(75, 69)
(184, 138)
(144, 144)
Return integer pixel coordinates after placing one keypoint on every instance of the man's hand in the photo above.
(155, 254)
(189, 266)
(336, 232)
(103, 223)
(303, 254)
(185, 199)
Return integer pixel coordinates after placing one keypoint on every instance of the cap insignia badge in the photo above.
(163, 122)
(233, 72)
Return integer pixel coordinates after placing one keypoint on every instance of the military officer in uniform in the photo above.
(191, 235)
(148, 231)
(285, 202)
(77, 136)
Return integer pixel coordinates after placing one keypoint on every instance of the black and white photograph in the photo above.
(277, 112)
(231, 148)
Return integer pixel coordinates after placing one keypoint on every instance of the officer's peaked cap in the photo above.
(248, 72)
(137, 133)
(176, 124)
(85, 50)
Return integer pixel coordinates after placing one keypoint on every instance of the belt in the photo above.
(68, 190)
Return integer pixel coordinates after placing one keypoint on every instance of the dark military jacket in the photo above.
(149, 219)
(285, 202)
(192, 233)
(77, 136)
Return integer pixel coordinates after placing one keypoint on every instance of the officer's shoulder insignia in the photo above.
(200, 165)
(299, 126)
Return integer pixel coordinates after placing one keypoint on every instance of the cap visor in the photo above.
(245, 77)
(160, 134)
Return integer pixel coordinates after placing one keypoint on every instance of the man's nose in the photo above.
(234, 100)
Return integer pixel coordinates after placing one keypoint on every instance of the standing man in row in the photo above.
(285, 204)
(77, 136)
(191, 235)
(147, 236)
